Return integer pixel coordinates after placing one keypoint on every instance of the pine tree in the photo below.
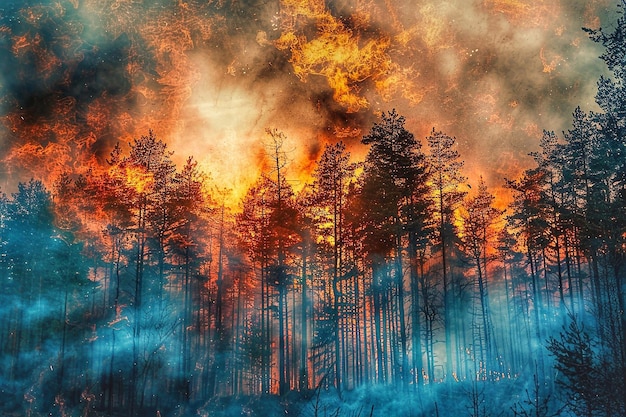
(332, 178)
(394, 174)
(479, 220)
(446, 181)
(609, 165)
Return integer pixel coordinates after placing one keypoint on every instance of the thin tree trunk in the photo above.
(304, 332)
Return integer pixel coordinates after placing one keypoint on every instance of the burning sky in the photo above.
(77, 76)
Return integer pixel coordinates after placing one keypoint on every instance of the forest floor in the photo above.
(503, 398)
(473, 399)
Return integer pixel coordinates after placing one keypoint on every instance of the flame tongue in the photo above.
(346, 57)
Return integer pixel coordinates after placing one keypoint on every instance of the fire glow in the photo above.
(209, 78)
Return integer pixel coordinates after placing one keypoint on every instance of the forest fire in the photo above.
(149, 65)
(139, 179)
(266, 208)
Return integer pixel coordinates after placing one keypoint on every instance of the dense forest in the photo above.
(388, 286)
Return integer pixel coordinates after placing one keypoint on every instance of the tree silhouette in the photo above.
(479, 218)
(446, 179)
(332, 178)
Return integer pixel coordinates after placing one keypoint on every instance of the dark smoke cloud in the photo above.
(209, 78)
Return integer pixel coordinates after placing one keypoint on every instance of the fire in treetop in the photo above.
(210, 77)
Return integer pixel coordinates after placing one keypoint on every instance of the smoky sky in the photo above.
(209, 77)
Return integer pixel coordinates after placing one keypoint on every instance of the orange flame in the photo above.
(139, 179)
(555, 61)
(342, 56)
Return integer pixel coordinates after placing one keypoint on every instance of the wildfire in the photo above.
(343, 56)
(120, 99)
(91, 73)
(336, 55)
(139, 179)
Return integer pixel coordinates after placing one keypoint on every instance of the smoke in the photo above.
(210, 77)
(491, 398)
